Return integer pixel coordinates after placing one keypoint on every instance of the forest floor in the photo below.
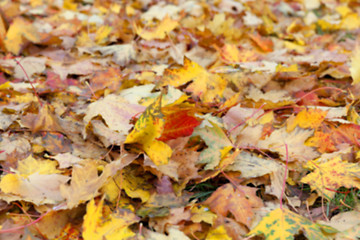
(170, 120)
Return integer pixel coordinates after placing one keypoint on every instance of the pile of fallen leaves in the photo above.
(147, 119)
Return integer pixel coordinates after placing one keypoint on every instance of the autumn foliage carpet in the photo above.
(168, 120)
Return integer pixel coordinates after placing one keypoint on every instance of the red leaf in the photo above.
(178, 124)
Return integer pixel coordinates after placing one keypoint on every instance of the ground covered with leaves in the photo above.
(150, 119)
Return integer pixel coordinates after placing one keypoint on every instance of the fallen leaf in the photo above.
(202, 214)
(30, 165)
(284, 224)
(264, 43)
(35, 188)
(173, 233)
(135, 183)
(252, 166)
(178, 124)
(218, 145)
(204, 85)
(19, 33)
(230, 54)
(148, 127)
(295, 142)
(355, 67)
(85, 182)
(122, 53)
(159, 32)
(241, 201)
(218, 233)
(45, 120)
(317, 116)
(116, 112)
(98, 226)
(329, 176)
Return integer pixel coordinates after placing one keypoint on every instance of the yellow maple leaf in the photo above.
(31, 165)
(330, 176)
(20, 32)
(307, 118)
(159, 32)
(102, 34)
(282, 224)
(148, 127)
(205, 85)
(98, 226)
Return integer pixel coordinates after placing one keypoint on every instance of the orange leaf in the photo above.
(265, 44)
(231, 54)
(322, 141)
(239, 201)
(307, 118)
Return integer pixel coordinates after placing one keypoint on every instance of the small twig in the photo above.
(241, 123)
(27, 76)
(318, 89)
(285, 175)
(29, 217)
(24, 226)
(308, 210)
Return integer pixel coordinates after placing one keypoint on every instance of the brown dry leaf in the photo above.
(295, 142)
(53, 223)
(240, 201)
(14, 144)
(85, 181)
(45, 120)
(252, 166)
(116, 112)
(36, 188)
